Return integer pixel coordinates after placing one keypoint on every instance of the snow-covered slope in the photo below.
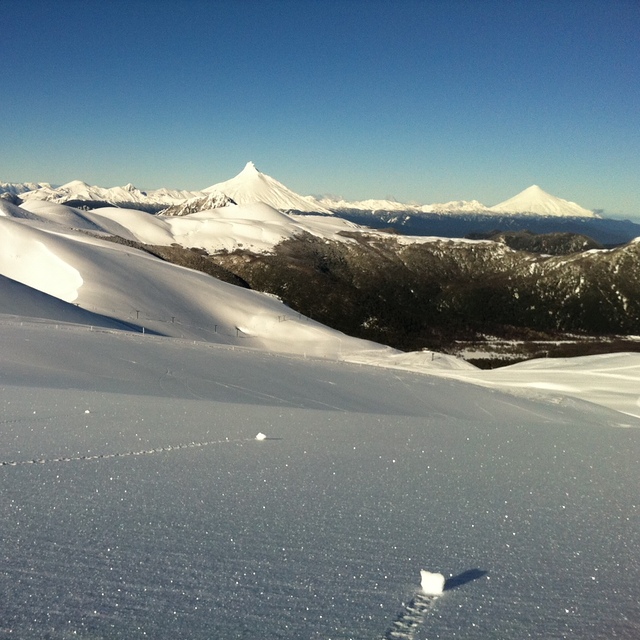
(136, 501)
(22, 301)
(250, 185)
(256, 227)
(130, 286)
(535, 200)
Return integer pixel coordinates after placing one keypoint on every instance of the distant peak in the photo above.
(75, 184)
(250, 167)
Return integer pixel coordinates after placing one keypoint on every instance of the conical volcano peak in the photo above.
(250, 185)
(250, 168)
(537, 201)
(535, 189)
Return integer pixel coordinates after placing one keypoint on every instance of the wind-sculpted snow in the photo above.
(29, 257)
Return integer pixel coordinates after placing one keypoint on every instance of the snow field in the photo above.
(320, 532)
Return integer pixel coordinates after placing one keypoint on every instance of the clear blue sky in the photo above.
(425, 101)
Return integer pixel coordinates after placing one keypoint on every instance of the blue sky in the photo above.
(421, 101)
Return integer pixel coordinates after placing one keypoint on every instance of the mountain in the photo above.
(129, 286)
(337, 205)
(531, 201)
(456, 207)
(414, 293)
(80, 193)
(537, 201)
(17, 188)
(250, 185)
(212, 200)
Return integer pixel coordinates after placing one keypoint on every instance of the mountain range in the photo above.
(251, 185)
(385, 286)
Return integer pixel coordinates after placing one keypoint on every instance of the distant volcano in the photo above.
(536, 200)
(250, 185)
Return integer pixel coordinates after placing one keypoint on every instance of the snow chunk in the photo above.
(261, 436)
(432, 583)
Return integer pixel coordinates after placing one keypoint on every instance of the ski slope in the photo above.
(137, 502)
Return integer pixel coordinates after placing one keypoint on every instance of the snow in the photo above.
(250, 185)
(431, 583)
(158, 514)
(532, 200)
(213, 200)
(455, 206)
(535, 200)
(256, 226)
(137, 501)
(79, 190)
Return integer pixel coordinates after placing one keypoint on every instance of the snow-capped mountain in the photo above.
(250, 185)
(77, 190)
(212, 200)
(17, 188)
(530, 201)
(50, 252)
(339, 204)
(456, 206)
(537, 201)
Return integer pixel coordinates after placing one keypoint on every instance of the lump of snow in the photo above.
(261, 436)
(432, 583)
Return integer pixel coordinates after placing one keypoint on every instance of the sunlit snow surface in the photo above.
(193, 529)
